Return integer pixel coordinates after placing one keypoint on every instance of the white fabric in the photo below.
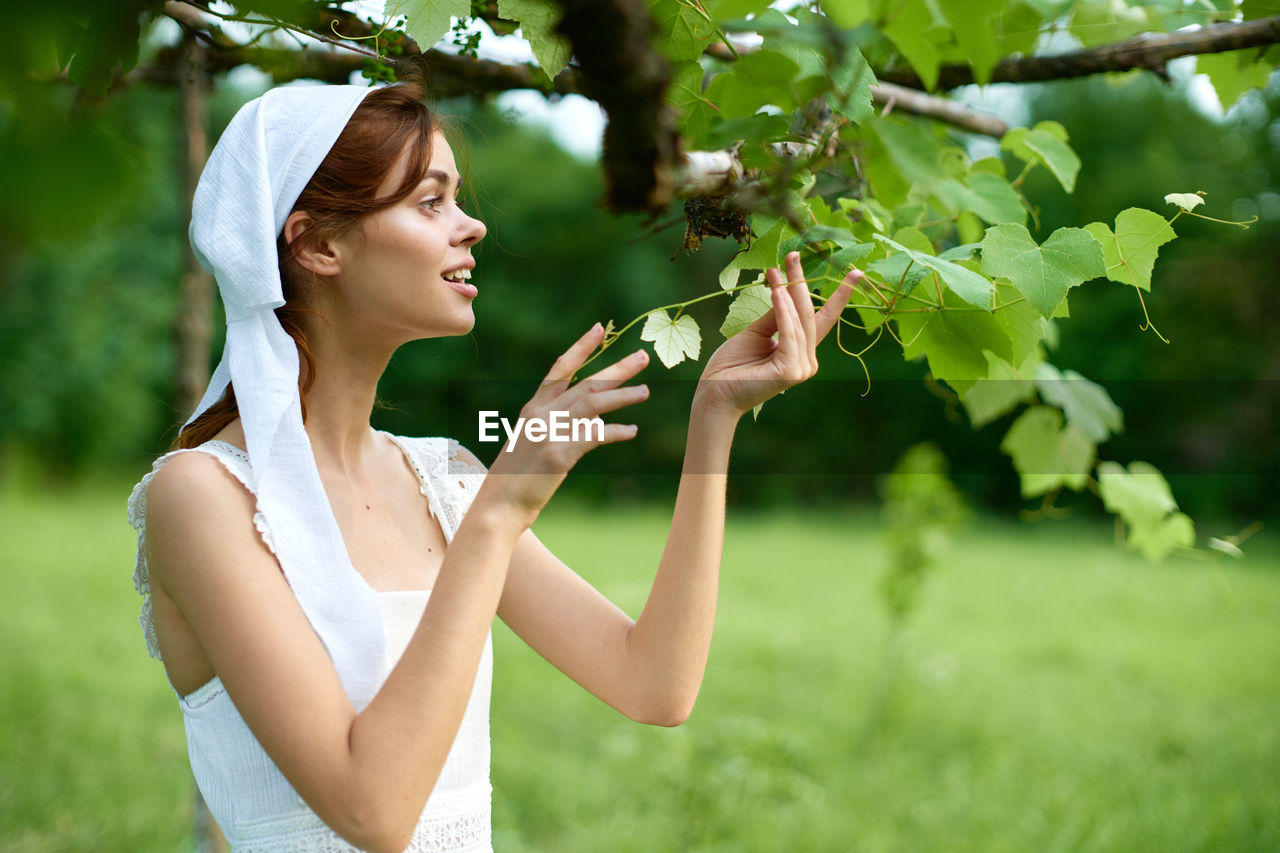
(254, 175)
(254, 804)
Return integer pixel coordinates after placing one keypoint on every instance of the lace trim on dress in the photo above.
(305, 833)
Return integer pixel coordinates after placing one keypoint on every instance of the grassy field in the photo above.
(1053, 694)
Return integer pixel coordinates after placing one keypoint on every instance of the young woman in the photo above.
(333, 666)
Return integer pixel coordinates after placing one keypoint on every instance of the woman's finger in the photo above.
(564, 367)
(600, 402)
(789, 332)
(830, 313)
(610, 377)
(799, 290)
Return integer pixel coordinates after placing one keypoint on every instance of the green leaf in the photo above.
(847, 14)
(749, 305)
(673, 340)
(538, 19)
(911, 148)
(1046, 454)
(1107, 21)
(766, 68)
(1233, 73)
(996, 200)
(1045, 143)
(999, 393)
(109, 43)
(1157, 541)
(1186, 201)
(954, 342)
(990, 196)
(426, 21)
(760, 255)
(908, 30)
(971, 22)
(685, 93)
(686, 32)
(968, 285)
(1141, 496)
(1130, 251)
(1021, 322)
(1087, 405)
(851, 82)
(1044, 273)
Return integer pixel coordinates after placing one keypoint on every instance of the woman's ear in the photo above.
(320, 258)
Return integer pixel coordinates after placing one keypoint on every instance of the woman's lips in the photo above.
(466, 288)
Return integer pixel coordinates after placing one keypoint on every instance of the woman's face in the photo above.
(393, 264)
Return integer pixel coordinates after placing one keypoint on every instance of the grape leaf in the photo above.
(426, 21)
(538, 19)
(954, 342)
(1045, 143)
(1130, 251)
(686, 31)
(847, 14)
(1141, 496)
(907, 30)
(911, 148)
(1087, 405)
(108, 42)
(673, 340)
(1021, 322)
(967, 284)
(971, 22)
(1157, 541)
(1233, 73)
(760, 255)
(851, 82)
(1044, 273)
(751, 303)
(1186, 201)
(1046, 454)
(990, 196)
(999, 393)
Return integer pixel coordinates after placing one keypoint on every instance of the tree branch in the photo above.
(1149, 51)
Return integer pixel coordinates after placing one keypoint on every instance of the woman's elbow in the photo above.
(669, 713)
(375, 828)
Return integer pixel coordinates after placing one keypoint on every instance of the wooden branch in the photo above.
(1149, 51)
(894, 97)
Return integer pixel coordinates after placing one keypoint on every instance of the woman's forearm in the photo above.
(667, 648)
(399, 743)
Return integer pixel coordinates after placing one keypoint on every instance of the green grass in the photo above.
(1052, 693)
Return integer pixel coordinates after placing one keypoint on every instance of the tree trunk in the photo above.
(193, 323)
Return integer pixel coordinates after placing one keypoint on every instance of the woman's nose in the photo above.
(472, 231)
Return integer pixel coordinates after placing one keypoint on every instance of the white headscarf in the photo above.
(254, 176)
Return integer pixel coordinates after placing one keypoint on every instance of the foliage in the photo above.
(922, 508)
(956, 278)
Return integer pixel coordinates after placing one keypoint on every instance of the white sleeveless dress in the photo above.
(255, 806)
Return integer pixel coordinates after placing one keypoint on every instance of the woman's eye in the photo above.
(431, 203)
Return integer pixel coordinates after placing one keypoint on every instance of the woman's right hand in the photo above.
(525, 476)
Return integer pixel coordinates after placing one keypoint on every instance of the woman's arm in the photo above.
(651, 669)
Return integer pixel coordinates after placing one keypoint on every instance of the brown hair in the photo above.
(342, 191)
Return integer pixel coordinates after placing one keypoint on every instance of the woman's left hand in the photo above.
(752, 367)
